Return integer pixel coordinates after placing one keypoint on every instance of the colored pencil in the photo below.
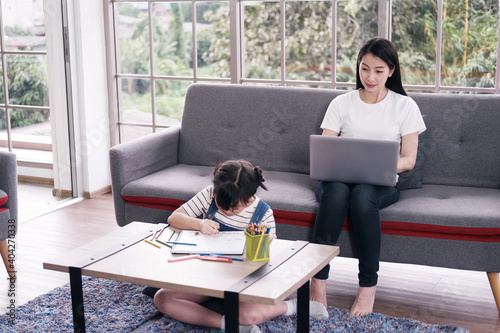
(159, 241)
(232, 258)
(150, 242)
(180, 243)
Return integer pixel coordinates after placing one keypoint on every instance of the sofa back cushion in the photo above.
(462, 139)
(268, 126)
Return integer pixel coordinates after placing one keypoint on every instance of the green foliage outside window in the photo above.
(27, 85)
(469, 43)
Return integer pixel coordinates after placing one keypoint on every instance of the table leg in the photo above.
(75, 280)
(303, 308)
(231, 311)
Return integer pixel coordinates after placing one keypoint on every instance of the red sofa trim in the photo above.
(388, 227)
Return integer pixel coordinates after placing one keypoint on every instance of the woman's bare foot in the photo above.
(363, 305)
(318, 291)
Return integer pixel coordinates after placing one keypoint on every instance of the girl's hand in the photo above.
(209, 227)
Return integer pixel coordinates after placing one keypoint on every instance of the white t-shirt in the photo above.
(199, 204)
(390, 119)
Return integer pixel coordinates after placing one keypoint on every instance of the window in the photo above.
(24, 99)
(164, 46)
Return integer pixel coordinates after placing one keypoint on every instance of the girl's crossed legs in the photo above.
(186, 307)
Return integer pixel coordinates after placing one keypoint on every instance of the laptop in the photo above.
(353, 160)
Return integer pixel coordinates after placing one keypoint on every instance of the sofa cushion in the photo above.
(462, 136)
(445, 212)
(3, 198)
(291, 195)
(168, 186)
(268, 126)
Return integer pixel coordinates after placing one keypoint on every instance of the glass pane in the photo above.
(2, 95)
(32, 122)
(24, 27)
(133, 37)
(357, 21)
(170, 101)
(27, 80)
(262, 41)
(31, 135)
(3, 129)
(308, 40)
(172, 36)
(135, 101)
(129, 132)
(414, 31)
(212, 37)
(470, 39)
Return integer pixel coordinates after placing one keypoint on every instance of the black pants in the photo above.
(363, 203)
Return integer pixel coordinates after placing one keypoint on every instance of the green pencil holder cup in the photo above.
(257, 246)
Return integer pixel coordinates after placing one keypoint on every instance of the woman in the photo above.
(378, 109)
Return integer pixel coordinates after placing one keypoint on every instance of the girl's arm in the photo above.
(409, 147)
(181, 220)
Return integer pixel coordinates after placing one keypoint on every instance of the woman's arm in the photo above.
(180, 220)
(409, 147)
(330, 132)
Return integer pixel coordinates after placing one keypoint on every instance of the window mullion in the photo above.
(439, 38)
(283, 42)
(497, 75)
(235, 14)
(152, 82)
(194, 41)
(384, 18)
(334, 43)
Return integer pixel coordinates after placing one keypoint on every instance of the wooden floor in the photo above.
(432, 295)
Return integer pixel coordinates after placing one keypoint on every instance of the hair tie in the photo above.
(259, 174)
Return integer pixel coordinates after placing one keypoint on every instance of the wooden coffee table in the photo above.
(123, 255)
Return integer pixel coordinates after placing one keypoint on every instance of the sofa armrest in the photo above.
(138, 158)
(8, 183)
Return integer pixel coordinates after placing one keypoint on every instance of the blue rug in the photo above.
(339, 321)
(121, 307)
(109, 307)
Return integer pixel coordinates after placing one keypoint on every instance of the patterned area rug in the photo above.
(338, 322)
(109, 307)
(121, 307)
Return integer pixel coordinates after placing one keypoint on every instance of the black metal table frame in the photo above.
(231, 296)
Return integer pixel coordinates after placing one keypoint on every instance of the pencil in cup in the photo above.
(257, 246)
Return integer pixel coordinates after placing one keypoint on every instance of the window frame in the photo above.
(237, 54)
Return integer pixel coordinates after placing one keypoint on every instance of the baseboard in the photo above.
(93, 194)
(36, 180)
(62, 193)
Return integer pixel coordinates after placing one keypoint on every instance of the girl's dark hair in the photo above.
(384, 49)
(235, 182)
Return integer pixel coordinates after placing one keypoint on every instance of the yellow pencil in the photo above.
(258, 247)
(148, 241)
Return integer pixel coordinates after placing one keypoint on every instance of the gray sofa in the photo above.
(452, 221)
(8, 205)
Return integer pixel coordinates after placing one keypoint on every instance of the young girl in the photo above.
(232, 198)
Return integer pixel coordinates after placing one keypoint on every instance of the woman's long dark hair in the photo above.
(384, 49)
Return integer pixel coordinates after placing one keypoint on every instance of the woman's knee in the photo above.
(332, 192)
(364, 198)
